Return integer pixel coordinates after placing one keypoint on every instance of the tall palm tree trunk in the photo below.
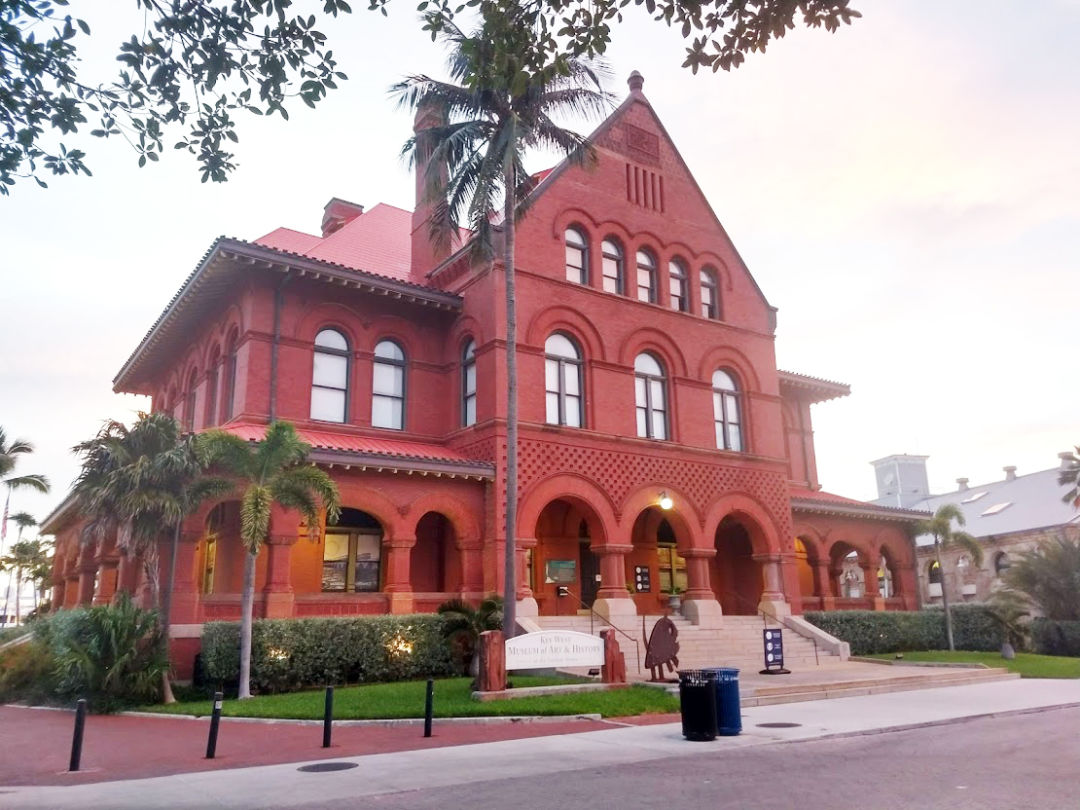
(944, 596)
(7, 592)
(510, 594)
(246, 605)
(166, 613)
(18, 593)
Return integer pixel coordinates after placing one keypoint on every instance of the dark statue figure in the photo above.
(662, 648)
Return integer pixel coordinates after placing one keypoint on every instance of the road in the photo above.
(1027, 761)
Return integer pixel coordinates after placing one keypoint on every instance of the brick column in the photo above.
(278, 592)
(526, 600)
(398, 585)
(106, 584)
(772, 597)
(612, 598)
(471, 550)
(87, 570)
(57, 593)
(185, 597)
(870, 581)
(699, 602)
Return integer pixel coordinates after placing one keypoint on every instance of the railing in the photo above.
(593, 615)
(766, 615)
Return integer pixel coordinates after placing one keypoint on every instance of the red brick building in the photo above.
(660, 446)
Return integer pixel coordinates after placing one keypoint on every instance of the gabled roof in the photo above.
(1032, 501)
(353, 450)
(826, 503)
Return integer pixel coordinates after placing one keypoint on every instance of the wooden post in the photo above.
(492, 652)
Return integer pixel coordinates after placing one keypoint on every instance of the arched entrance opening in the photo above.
(846, 576)
(737, 578)
(888, 575)
(563, 569)
(655, 568)
(219, 556)
(352, 553)
(435, 564)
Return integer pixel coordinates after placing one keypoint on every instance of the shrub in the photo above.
(870, 631)
(288, 654)
(110, 654)
(26, 673)
(1051, 637)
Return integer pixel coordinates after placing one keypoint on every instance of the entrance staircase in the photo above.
(737, 643)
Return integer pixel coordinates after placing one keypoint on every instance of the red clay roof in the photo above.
(348, 443)
(827, 499)
(821, 495)
(378, 241)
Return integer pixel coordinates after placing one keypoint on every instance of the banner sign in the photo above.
(554, 648)
(774, 648)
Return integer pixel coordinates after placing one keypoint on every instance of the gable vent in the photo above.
(645, 188)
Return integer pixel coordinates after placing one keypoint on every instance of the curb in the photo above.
(392, 722)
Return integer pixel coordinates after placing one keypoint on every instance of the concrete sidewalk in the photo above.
(283, 786)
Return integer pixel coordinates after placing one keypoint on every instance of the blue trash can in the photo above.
(728, 708)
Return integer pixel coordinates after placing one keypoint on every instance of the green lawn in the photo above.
(1029, 665)
(453, 698)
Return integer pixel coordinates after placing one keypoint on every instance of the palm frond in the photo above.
(255, 516)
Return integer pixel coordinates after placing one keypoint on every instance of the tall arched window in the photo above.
(650, 396)
(613, 267)
(468, 384)
(727, 411)
(189, 400)
(388, 386)
(330, 377)
(229, 400)
(562, 381)
(577, 257)
(212, 389)
(646, 277)
(710, 296)
(677, 285)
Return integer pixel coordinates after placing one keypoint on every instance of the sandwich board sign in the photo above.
(548, 649)
(772, 639)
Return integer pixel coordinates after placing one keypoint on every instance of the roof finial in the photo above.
(635, 81)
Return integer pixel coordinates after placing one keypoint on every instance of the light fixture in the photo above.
(665, 501)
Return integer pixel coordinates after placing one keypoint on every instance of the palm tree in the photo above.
(463, 625)
(21, 558)
(1071, 475)
(10, 452)
(945, 538)
(498, 104)
(41, 571)
(1050, 577)
(24, 520)
(270, 472)
(139, 482)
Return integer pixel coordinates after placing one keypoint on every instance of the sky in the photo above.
(906, 191)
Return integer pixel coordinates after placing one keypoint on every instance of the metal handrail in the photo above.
(766, 615)
(592, 628)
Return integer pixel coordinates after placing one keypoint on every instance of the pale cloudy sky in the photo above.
(905, 191)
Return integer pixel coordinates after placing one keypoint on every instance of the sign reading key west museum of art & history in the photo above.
(554, 648)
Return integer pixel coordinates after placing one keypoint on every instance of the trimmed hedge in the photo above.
(1051, 637)
(289, 654)
(871, 631)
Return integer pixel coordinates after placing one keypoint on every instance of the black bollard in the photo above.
(215, 719)
(328, 717)
(428, 706)
(76, 737)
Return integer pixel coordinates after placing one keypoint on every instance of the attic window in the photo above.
(973, 498)
(997, 507)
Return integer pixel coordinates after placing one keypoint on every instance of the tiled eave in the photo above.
(856, 510)
(819, 390)
(212, 282)
(379, 463)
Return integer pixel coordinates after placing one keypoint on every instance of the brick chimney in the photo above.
(425, 256)
(1010, 473)
(1066, 460)
(962, 484)
(337, 213)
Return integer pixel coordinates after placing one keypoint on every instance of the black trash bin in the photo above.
(697, 700)
(728, 708)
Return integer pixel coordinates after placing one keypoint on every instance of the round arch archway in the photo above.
(563, 568)
(737, 577)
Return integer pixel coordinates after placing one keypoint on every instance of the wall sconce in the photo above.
(665, 501)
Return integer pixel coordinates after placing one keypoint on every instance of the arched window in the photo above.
(562, 381)
(650, 396)
(933, 573)
(388, 386)
(228, 404)
(613, 267)
(646, 277)
(1001, 563)
(710, 297)
(189, 400)
(677, 285)
(468, 384)
(727, 411)
(577, 257)
(212, 389)
(330, 377)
